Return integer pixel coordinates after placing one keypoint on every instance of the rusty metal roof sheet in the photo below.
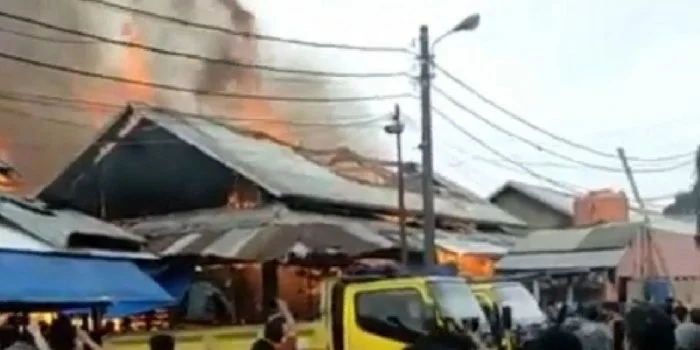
(272, 232)
(277, 168)
(284, 172)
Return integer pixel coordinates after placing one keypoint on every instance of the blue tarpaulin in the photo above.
(173, 279)
(65, 280)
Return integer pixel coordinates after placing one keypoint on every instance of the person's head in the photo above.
(649, 328)
(591, 313)
(557, 339)
(62, 334)
(681, 313)
(275, 329)
(695, 315)
(161, 342)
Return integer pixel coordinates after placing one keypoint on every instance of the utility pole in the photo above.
(696, 194)
(647, 246)
(397, 128)
(426, 146)
(643, 236)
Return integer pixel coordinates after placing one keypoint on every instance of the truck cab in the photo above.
(356, 312)
(392, 313)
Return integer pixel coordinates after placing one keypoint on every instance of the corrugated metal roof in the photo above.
(551, 240)
(559, 201)
(598, 237)
(56, 226)
(13, 239)
(284, 172)
(271, 232)
(561, 260)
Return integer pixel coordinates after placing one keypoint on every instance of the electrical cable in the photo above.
(62, 101)
(558, 184)
(549, 151)
(262, 37)
(191, 56)
(170, 87)
(552, 135)
(45, 38)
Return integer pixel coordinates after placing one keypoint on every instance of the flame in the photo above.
(133, 66)
(249, 81)
(136, 67)
(9, 179)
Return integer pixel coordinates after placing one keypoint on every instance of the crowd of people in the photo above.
(642, 326)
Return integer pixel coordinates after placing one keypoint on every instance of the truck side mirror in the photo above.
(507, 317)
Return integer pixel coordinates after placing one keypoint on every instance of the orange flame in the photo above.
(136, 67)
(249, 81)
(9, 180)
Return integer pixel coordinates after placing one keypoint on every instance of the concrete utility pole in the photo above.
(647, 246)
(696, 194)
(426, 147)
(425, 59)
(397, 128)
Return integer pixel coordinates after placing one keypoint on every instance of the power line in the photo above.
(45, 38)
(191, 56)
(570, 189)
(47, 100)
(170, 87)
(554, 136)
(485, 145)
(183, 22)
(549, 151)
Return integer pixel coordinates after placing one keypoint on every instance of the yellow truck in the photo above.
(363, 312)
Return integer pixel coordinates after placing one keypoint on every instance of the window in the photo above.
(397, 314)
(522, 303)
(456, 301)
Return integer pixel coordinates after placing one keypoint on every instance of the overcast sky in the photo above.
(603, 73)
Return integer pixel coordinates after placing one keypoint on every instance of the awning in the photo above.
(65, 281)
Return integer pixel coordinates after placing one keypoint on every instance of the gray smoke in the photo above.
(40, 148)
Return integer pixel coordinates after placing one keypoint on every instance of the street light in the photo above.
(468, 24)
(396, 128)
(426, 61)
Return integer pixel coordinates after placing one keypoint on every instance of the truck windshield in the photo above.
(523, 304)
(456, 300)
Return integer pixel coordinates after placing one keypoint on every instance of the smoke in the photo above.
(40, 148)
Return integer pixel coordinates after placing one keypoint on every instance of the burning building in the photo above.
(52, 114)
(196, 186)
(152, 162)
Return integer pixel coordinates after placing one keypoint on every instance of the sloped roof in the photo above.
(272, 232)
(57, 226)
(29, 225)
(557, 200)
(561, 261)
(278, 168)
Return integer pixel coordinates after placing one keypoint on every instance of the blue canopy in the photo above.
(29, 278)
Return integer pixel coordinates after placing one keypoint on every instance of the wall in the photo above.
(536, 214)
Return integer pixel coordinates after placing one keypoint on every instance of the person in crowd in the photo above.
(688, 333)
(586, 325)
(649, 327)
(556, 338)
(279, 332)
(161, 342)
(680, 314)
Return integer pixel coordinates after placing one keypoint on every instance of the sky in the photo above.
(601, 73)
